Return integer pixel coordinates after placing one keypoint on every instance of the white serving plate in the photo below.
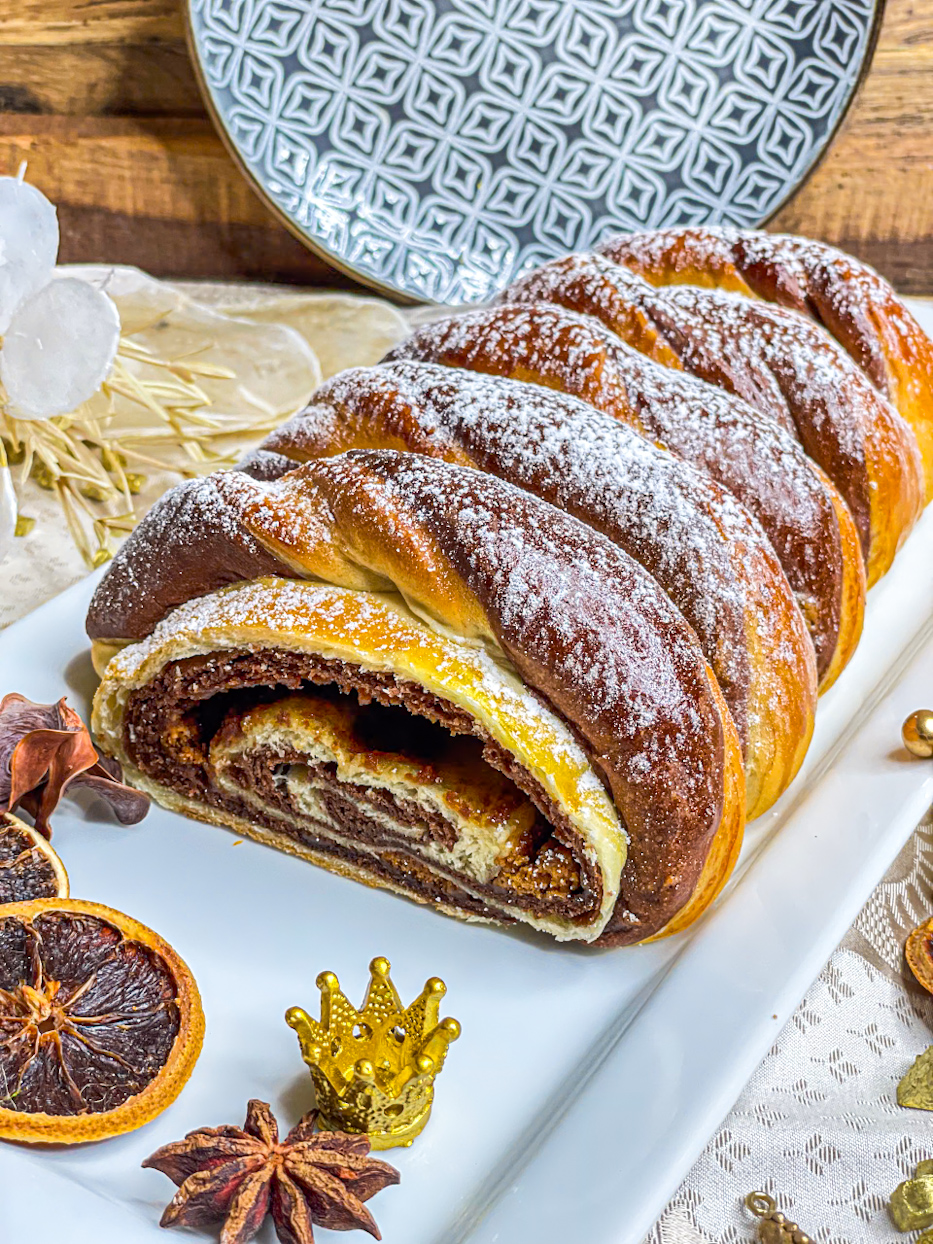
(586, 1082)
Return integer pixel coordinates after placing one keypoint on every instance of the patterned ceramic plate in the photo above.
(435, 148)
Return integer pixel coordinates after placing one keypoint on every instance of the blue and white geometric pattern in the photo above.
(439, 147)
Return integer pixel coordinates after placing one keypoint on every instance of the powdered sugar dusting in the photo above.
(174, 545)
(578, 618)
(713, 560)
(846, 295)
(745, 451)
(558, 349)
(782, 364)
(812, 379)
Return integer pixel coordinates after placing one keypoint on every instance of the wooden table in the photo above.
(100, 98)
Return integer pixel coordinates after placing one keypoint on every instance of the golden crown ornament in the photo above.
(373, 1069)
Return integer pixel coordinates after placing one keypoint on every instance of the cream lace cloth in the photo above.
(818, 1125)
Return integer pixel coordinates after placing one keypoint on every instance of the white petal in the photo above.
(28, 243)
(59, 348)
(7, 512)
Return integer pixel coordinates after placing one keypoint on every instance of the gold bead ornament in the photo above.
(917, 733)
(773, 1227)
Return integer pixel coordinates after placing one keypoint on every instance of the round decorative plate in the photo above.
(435, 148)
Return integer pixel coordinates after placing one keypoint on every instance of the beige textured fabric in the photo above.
(818, 1125)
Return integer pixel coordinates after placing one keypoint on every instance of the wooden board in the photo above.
(100, 98)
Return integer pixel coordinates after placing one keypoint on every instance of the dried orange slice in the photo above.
(919, 952)
(100, 1022)
(29, 867)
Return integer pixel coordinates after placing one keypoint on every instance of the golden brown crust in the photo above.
(708, 554)
(167, 568)
(846, 296)
(854, 588)
(721, 859)
(582, 624)
(750, 455)
(781, 364)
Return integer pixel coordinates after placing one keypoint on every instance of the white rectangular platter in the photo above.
(585, 1083)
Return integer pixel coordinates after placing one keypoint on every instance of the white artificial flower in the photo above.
(59, 348)
(28, 244)
(60, 335)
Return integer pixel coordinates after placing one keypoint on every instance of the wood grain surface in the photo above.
(100, 98)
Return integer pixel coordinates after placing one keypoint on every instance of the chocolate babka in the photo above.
(847, 297)
(416, 674)
(524, 621)
(778, 362)
(748, 453)
(697, 541)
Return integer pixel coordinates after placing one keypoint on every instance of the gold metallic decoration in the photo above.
(918, 951)
(373, 1069)
(917, 733)
(911, 1203)
(916, 1088)
(773, 1227)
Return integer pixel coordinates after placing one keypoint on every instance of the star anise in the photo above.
(45, 748)
(236, 1176)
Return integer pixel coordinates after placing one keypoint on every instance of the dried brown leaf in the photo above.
(47, 748)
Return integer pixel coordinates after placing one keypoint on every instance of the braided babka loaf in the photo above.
(847, 297)
(524, 621)
(699, 544)
(779, 362)
(423, 677)
(749, 454)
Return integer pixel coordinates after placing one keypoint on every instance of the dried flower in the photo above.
(236, 1176)
(9, 518)
(46, 748)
